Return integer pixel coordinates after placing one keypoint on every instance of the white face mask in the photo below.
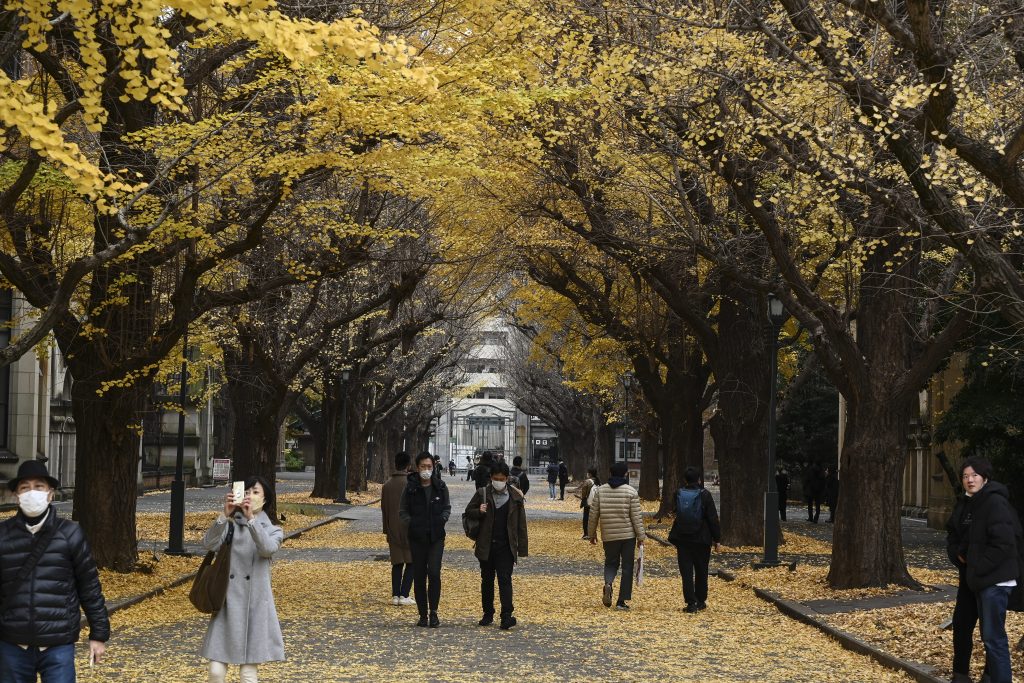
(34, 503)
(499, 486)
(256, 502)
(426, 474)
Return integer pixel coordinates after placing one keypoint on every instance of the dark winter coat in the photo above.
(710, 527)
(563, 474)
(831, 489)
(552, 471)
(482, 474)
(425, 510)
(782, 484)
(44, 609)
(993, 528)
(522, 479)
(816, 484)
(517, 538)
(956, 533)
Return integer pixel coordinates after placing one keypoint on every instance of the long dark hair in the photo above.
(269, 497)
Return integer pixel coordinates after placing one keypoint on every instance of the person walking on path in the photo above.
(469, 468)
(521, 479)
(552, 471)
(424, 510)
(965, 610)
(502, 540)
(694, 531)
(814, 491)
(584, 495)
(47, 575)
(394, 530)
(482, 475)
(782, 486)
(616, 512)
(246, 631)
(451, 467)
(563, 479)
(831, 492)
(989, 552)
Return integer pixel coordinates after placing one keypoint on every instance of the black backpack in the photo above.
(471, 525)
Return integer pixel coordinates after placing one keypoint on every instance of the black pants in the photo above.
(401, 579)
(782, 505)
(813, 509)
(500, 563)
(965, 618)
(614, 553)
(694, 559)
(426, 562)
(586, 519)
(561, 489)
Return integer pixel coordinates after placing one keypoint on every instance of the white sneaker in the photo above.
(395, 600)
(406, 601)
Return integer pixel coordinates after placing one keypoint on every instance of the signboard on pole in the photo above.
(221, 469)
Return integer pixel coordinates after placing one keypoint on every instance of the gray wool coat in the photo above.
(246, 629)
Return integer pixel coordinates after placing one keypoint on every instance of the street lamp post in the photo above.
(342, 449)
(176, 540)
(776, 316)
(627, 383)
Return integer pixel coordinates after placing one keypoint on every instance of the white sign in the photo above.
(221, 469)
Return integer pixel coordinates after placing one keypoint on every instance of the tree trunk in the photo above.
(259, 410)
(740, 428)
(683, 441)
(106, 477)
(604, 442)
(649, 465)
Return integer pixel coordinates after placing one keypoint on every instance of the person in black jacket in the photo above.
(693, 538)
(482, 474)
(42, 592)
(965, 611)
(522, 479)
(989, 553)
(425, 508)
(782, 486)
(563, 479)
(552, 472)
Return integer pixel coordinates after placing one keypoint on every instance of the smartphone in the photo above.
(238, 491)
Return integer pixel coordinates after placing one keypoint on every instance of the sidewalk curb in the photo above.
(125, 603)
(805, 615)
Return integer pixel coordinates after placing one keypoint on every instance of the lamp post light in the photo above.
(176, 533)
(627, 383)
(776, 316)
(342, 448)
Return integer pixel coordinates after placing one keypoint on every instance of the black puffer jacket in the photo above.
(991, 538)
(44, 610)
(425, 509)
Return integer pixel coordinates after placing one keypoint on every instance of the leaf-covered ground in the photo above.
(340, 626)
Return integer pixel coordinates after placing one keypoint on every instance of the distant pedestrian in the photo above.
(782, 486)
(438, 470)
(425, 509)
(616, 512)
(469, 468)
(451, 467)
(246, 631)
(694, 531)
(482, 475)
(563, 479)
(47, 574)
(988, 553)
(814, 491)
(552, 471)
(584, 495)
(394, 530)
(502, 540)
(520, 475)
(831, 492)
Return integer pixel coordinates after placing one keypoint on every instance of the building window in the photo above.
(6, 314)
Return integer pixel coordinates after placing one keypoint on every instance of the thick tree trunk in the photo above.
(259, 410)
(604, 442)
(106, 477)
(683, 441)
(740, 428)
(649, 465)
(325, 476)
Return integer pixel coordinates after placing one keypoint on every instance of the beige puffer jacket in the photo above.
(617, 511)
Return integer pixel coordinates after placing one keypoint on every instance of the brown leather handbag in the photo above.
(210, 587)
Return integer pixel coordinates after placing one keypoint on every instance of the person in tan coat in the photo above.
(398, 541)
(616, 512)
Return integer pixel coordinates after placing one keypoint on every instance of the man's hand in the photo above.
(639, 543)
(718, 547)
(96, 651)
(483, 508)
(593, 540)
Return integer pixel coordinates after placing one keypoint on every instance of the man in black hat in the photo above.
(47, 575)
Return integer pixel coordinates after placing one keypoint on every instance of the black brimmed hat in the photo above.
(32, 469)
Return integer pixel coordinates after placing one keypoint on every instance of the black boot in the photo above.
(507, 623)
(434, 621)
(422, 621)
(487, 620)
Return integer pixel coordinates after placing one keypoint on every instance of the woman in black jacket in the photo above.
(425, 508)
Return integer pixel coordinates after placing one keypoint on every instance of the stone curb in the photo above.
(805, 615)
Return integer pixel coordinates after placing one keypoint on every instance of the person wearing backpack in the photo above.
(616, 512)
(502, 539)
(521, 479)
(584, 495)
(694, 531)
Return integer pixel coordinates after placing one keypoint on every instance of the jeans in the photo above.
(247, 673)
(992, 613)
(586, 519)
(401, 579)
(500, 563)
(965, 618)
(426, 562)
(614, 553)
(551, 490)
(693, 559)
(55, 664)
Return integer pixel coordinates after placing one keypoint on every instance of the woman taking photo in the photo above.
(246, 632)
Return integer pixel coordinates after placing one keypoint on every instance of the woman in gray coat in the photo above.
(246, 631)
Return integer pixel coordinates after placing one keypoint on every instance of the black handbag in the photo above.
(210, 587)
